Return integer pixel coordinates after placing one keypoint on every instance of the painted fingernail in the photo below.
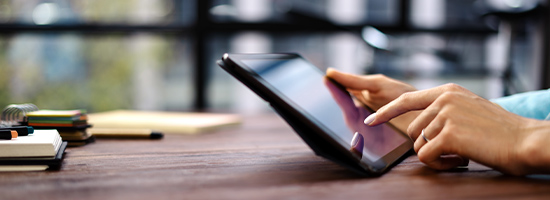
(355, 139)
(370, 119)
(357, 145)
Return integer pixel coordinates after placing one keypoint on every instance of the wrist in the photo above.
(533, 148)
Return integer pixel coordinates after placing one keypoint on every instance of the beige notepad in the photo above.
(167, 122)
(22, 168)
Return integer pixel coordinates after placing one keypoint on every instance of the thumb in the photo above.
(352, 81)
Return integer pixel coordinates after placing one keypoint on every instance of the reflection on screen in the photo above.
(318, 97)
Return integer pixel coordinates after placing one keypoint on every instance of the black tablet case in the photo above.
(318, 144)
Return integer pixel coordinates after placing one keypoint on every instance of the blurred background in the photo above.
(160, 54)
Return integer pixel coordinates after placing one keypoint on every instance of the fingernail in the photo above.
(355, 139)
(357, 145)
(370, 119)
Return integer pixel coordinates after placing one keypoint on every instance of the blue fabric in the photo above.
(534, 104)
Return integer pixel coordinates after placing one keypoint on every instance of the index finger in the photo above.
(410, 101)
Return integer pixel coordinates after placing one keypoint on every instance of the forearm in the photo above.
(534, 150)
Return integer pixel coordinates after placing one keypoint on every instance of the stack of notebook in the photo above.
(71, 124)
(40, 150)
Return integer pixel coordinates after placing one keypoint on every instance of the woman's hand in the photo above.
(456, 121)
(375, 91)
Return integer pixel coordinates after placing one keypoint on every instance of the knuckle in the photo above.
(410, 132)
(453, 87)
(379, 76)
(405, 101)
(405, 98)
(444, 113)
(447, 98)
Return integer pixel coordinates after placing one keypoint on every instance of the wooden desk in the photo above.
(262, 159)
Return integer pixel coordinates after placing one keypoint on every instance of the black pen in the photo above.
(7, 134)
(21, 130)
(125, 133)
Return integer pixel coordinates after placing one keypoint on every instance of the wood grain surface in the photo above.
(261, 159)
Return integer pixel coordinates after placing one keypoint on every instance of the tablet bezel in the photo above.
(281, 103)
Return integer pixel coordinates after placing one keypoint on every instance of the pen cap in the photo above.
(30, 129)
(14, 134)
(156, 135)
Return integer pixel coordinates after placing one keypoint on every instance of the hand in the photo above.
(375, 138)
(456, 121)
(375, 91)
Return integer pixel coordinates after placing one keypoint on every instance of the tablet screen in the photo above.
(306, 88)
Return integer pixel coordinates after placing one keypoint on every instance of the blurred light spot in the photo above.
(45, 13)
(5, 13)
(428, 64)
(253, 10)
(167, 8)
(429, 14)
(347, 11)
(375, 38)
(513, 3)
(513, 6)
(223, 10)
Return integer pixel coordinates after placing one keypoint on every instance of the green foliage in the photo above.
(104, 74)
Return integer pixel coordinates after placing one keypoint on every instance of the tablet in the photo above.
(320, 110)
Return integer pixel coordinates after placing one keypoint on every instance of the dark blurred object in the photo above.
(507, 7)
(512, 17)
